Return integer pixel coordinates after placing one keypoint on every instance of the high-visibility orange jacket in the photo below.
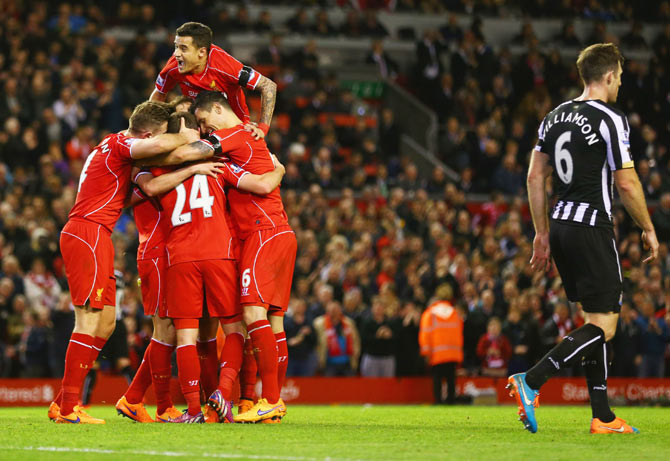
(441, 334)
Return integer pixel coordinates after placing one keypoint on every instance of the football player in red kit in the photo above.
(201, 259)
(152, 227)
(268, 248)
(86, 243)
(198, 65)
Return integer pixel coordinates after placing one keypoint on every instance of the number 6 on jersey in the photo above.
(563, 155)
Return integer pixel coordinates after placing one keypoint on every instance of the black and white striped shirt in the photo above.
(586, 141)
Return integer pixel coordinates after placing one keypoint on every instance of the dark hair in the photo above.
(149, 115)
(174, 122)
(201, 34)
(180, 100)
(597, 60)
(205, 99)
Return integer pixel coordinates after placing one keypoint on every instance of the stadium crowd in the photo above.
(376, 236)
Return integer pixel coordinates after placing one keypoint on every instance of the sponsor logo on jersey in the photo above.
(235, 168)
(160, 81)
(245, 291)
(192, 94)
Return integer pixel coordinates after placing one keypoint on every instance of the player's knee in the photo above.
(254, 314)
(86, 321)
(277, 323)
(164, 331)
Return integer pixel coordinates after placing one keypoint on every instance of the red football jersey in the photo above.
(104, 181)
(251, 212)
(151, 227)
(222, 73)
(197, 216)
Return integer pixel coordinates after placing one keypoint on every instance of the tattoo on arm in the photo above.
(268, 90)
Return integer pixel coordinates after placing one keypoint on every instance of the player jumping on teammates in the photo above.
(198, 65)
(584, 144)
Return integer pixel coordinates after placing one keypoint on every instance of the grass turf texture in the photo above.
(342, 432)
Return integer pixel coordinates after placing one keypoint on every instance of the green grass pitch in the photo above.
(343, 433)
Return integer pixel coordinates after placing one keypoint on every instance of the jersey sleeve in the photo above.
(232, 174)
(540, 137)
(124, 146)
(165, 82)
(615, 131)
(233, 71)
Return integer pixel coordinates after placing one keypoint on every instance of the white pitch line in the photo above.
(174, 454)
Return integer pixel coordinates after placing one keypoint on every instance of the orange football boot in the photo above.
(618, 426)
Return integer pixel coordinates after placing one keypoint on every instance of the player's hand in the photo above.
(190, 134)
(650, 243)
(541, 259)
(208, 168)
(256, 132)
(278, 164)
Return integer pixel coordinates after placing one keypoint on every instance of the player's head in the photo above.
(181, 103)
(213, 112)
(174, 122)
(191, 46)
(149, 119)
(601, 64)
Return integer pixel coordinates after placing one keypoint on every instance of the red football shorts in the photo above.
(152, 284)
(88, 254)
(189, 283)
(266, 268)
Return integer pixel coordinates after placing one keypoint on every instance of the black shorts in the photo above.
(588, 262)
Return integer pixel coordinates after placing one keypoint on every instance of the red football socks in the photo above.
(142, 380)
(77, 363)
(96, 347)
(231, 361)
(209, 365)
(265, 349)
(248, 372)
(161, 373)
(189, 376)
(282, 358)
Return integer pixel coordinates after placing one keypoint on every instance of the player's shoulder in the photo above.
(231, 134)
(606, 110)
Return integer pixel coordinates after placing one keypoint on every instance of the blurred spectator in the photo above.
(627, 344)
(556, 327)
(338, 342)
(654, 336)
(661, 218)
(408, 353)
(301, 340)
(378, 340)
(387, 67)
(494, 350)
(42, 288)
(441, 341)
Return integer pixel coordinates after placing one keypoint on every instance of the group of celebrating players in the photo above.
(215, 244)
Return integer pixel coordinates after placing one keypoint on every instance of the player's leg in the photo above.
(248, 374)
(189, 368)
(184, 296)
(208, 354)
(163, 344)
(276, 318)
(231, 361)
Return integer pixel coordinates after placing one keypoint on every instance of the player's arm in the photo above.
(262, 184)
(268, 90)
(157, 96)
(538, 171)
(632, 196)
(156, 185)
(156, 145)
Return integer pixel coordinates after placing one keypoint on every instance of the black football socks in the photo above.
(596, 371)
(578, 344)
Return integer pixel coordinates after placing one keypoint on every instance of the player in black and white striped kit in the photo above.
(584, 144)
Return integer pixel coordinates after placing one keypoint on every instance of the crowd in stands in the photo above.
(376, 236)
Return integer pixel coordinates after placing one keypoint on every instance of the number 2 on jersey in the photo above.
(198, 198)
(562, 156)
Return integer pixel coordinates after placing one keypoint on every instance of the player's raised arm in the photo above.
(262, 184)
(538, 171)
(156, 185)
(157, 96)
(631, 193)
(268, 90)
(149, 147)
